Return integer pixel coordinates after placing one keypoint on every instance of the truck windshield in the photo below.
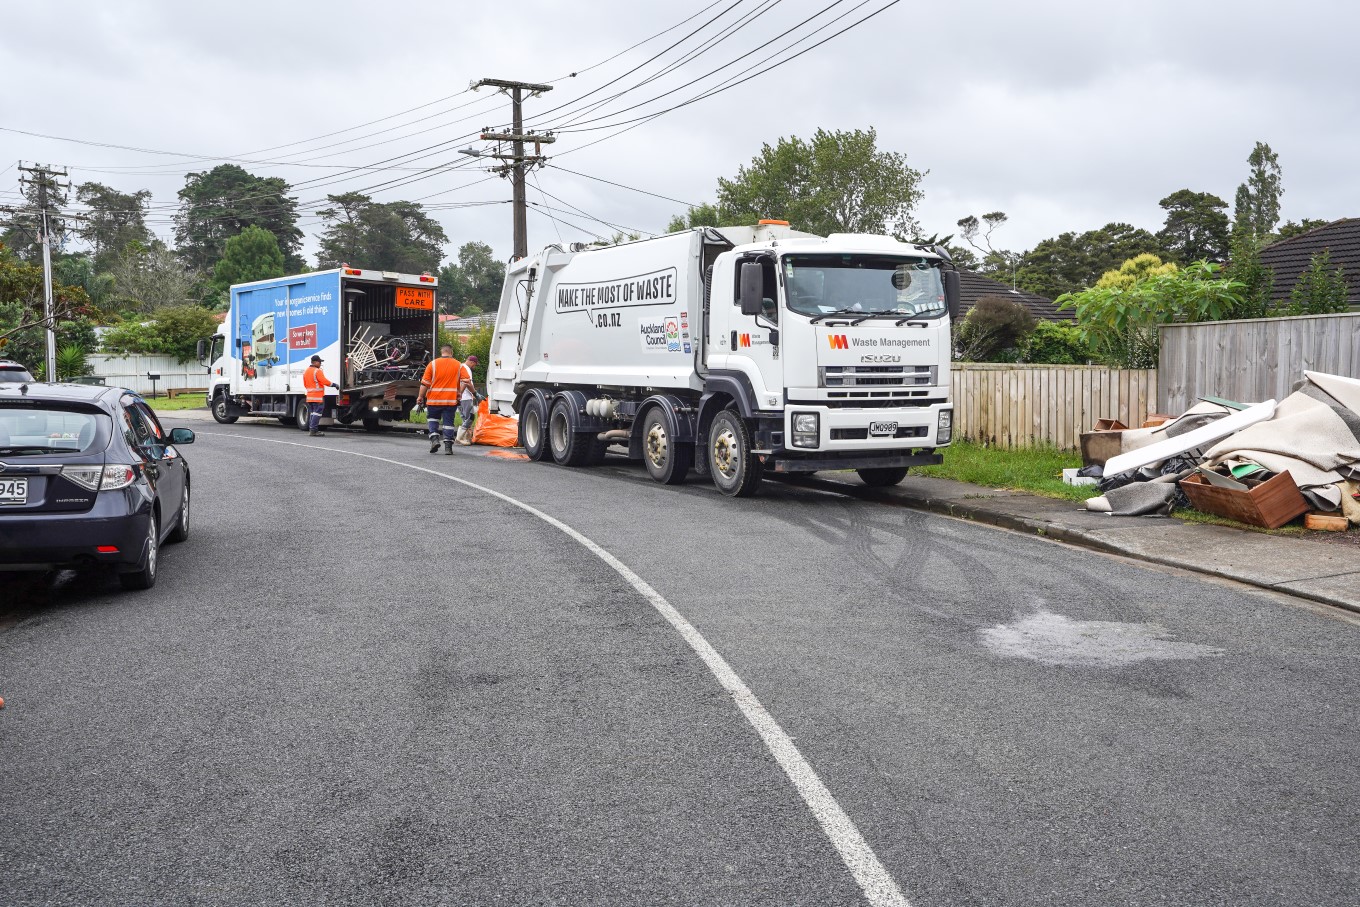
(863, 284)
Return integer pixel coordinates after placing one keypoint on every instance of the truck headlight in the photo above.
(944, 432)
(806, 429)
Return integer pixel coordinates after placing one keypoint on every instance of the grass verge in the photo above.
(183, 401)
(1037, 470)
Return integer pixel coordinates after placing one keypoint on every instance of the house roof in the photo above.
(466, 325)
(974, 286)
(1290, 257)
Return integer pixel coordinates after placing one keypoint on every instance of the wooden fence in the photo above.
(1253, 360)
(1021, 406)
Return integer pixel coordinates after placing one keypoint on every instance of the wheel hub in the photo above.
(725, 452)
(657, 446)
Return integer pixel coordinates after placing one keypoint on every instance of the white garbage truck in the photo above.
(374, 330)
(731, 351)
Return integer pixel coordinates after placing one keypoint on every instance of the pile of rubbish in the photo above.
(1264, 464)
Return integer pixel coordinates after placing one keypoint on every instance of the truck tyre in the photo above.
(285, 420)
(569, 447)
(219, 410)
(735, 471)
(882, 476)
(667, 461)
(533, 429)
(300, 415)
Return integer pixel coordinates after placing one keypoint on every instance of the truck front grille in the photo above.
(862, 434)
(876, 376)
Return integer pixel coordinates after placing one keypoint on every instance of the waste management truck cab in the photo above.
(732, 351)
(374, 330)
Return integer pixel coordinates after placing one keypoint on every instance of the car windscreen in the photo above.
(33, 430)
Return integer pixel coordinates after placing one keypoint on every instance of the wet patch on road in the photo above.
(1057, 640)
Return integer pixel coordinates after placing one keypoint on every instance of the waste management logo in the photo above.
(745, 340)
(839, 341)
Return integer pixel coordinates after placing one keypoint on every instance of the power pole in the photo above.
(44, 179)
(517, 159)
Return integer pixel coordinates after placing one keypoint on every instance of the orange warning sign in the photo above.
(415, 298)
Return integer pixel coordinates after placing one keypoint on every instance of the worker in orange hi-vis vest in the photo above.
(316, 382)
(439, 386)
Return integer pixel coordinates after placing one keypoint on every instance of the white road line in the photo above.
(878, 886)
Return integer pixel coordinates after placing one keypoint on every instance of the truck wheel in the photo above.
(569, 448)
(285, 420)
(300, 415)
(598, 450)
(667, 461)
(735, 471)
(882, 476)
(219, 410)
(533, 429)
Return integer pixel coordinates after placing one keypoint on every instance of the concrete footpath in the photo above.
(1323, 572)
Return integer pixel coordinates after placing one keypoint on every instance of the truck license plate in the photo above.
(882, 428)
(13, 491)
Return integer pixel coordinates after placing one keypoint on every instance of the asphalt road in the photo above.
(363, 683)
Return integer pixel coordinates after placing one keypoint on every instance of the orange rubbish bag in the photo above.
(494, 431)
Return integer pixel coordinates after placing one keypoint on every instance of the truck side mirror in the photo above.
(952, 293)
(202, 360)
(752, 287)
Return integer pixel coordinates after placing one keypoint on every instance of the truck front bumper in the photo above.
(865, 431)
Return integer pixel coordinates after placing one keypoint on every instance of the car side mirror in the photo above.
(752, 287)
(181, 436)
(952, 293)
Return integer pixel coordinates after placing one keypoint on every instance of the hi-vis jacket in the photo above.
(441, 381)
(316, 382)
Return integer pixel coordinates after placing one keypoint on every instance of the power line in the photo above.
(622, 186)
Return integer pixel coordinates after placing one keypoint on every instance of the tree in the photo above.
(219, 204)
(23, 233)
(1120, 322)
(1256, 207)
(1289, 229)
(839, 182)
(386, 236)
(1196, 227)
(1140, 267)
(996, 263)
(992, 330)
(1257, 281)
(1072, 261)
(1051, 343)
(252, 254)
(149, 277)
(475, 280)
(1320, 290)
(22, 317)
(172, 331)
(114, 220)
(705, 215)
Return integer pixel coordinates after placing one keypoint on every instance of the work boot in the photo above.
(434, 443)
(448, 448)
(317, 434)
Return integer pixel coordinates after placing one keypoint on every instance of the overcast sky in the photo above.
(1065, 115)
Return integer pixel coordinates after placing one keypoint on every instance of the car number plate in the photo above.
(882, 428)
(13, 491)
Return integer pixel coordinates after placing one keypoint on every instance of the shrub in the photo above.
(993, 326)
(1053, 343)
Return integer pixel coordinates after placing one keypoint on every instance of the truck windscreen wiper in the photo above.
(850, 311)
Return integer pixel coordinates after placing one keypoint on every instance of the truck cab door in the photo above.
(756, 337)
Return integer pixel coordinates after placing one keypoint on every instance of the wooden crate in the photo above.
(1270, 504)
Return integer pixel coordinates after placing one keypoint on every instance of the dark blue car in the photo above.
(88, 479)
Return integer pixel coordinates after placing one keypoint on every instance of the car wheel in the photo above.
(144, 577)
(181, 531)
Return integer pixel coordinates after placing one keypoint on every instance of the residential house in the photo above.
(1291, 257)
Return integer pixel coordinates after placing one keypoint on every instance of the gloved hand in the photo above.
(334, 385)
